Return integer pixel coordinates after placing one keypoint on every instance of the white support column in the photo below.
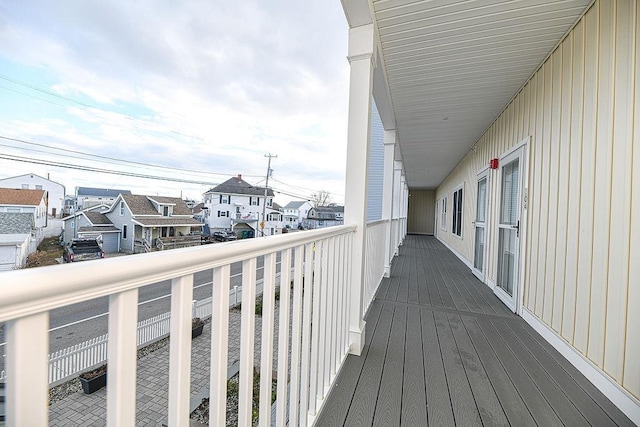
(405, 208)
(397, 202)
(387, 196)
(28, 393)
(361, 58)
(123, 350)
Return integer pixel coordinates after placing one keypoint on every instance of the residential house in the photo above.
(324, 216)
(147, 222)
(515, 127)
(15, 239)
(93, 223)
(31, 181)
(237, 205)
(88, 196)
(295, 212)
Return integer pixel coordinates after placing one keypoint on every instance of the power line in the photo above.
(100, 170)
(66, 150)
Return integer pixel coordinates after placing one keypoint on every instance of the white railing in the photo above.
(374, 261)
(317, 308)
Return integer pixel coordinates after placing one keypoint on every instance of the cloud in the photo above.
(195, 84)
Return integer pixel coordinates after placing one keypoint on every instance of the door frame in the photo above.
(518, 298)
(483, 277)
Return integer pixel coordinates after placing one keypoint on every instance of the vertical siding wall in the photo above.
(375, 180)
(582, 263)
(421, 209)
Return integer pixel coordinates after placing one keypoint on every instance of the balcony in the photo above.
(441, 349)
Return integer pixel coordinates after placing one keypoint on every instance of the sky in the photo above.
(202, 90)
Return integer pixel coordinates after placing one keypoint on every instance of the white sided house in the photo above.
(237, 205)
(87, 197)
(31, 181)
(150, 222)
(295, 213)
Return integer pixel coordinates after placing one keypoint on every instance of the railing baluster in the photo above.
(306, 333)
(266, 356)
(219, 346)
(27, 386)
(315, 328)
(121, 373)
(283, 337)
(325, 323)
(246, 342)
(180, 349)
(332, 319)
(296, 337)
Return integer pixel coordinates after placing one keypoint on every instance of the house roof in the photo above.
(179, 205)
(10, 196)
(295, 204)
(277, 207)
(166, 221)
(97, 218)
(31, 175)
(103, 229)
(16, 223)
(142, 205)
(100, 192)
(237, 185)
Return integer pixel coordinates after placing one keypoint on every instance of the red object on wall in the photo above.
(493, 164)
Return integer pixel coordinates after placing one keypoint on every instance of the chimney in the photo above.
(239, 177)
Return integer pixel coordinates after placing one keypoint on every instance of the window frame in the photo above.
(457, 210)
(443, 214)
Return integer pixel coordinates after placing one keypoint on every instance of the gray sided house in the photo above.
(93, 223)
(145, 222)
(15, 239)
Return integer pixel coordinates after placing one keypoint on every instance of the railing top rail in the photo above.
(29, 291)
(377, 222)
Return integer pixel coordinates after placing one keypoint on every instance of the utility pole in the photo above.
(266, 189)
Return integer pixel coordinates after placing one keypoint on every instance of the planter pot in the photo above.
(94, 384)
(196, 331)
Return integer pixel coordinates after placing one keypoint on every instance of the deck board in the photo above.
(442, 350)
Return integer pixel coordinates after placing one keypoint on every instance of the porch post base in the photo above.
(356, 338)
(387, 271)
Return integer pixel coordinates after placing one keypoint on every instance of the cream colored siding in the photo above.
(581, 110)
(421, 211)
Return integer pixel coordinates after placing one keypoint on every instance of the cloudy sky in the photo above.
(203, 89)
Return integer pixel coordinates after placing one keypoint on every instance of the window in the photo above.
(122, 210)
(225, 199)
(254, 201)
(38, 187)
(456, 227)
(443, 214)
(25, 186)
(124, 231)
(14, 210)
(269, 202)
(223, 213)
(165, 211)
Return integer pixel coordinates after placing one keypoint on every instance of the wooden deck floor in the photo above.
(442, 350)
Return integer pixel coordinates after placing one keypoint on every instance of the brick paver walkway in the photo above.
(81, 409)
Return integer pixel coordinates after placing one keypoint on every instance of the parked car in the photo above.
(82, 250)
(224, 236)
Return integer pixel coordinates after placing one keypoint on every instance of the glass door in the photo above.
(509, 228)
(480, 225)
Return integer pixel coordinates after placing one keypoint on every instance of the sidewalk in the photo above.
(79, 409)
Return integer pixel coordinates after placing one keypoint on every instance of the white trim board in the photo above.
(626, 403)
(456, 253)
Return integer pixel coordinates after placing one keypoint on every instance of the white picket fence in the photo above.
(69, 362)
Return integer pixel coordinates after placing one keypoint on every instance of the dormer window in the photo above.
(165, 211)
(121, 208)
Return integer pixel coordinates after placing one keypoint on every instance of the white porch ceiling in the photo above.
(451, 66)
